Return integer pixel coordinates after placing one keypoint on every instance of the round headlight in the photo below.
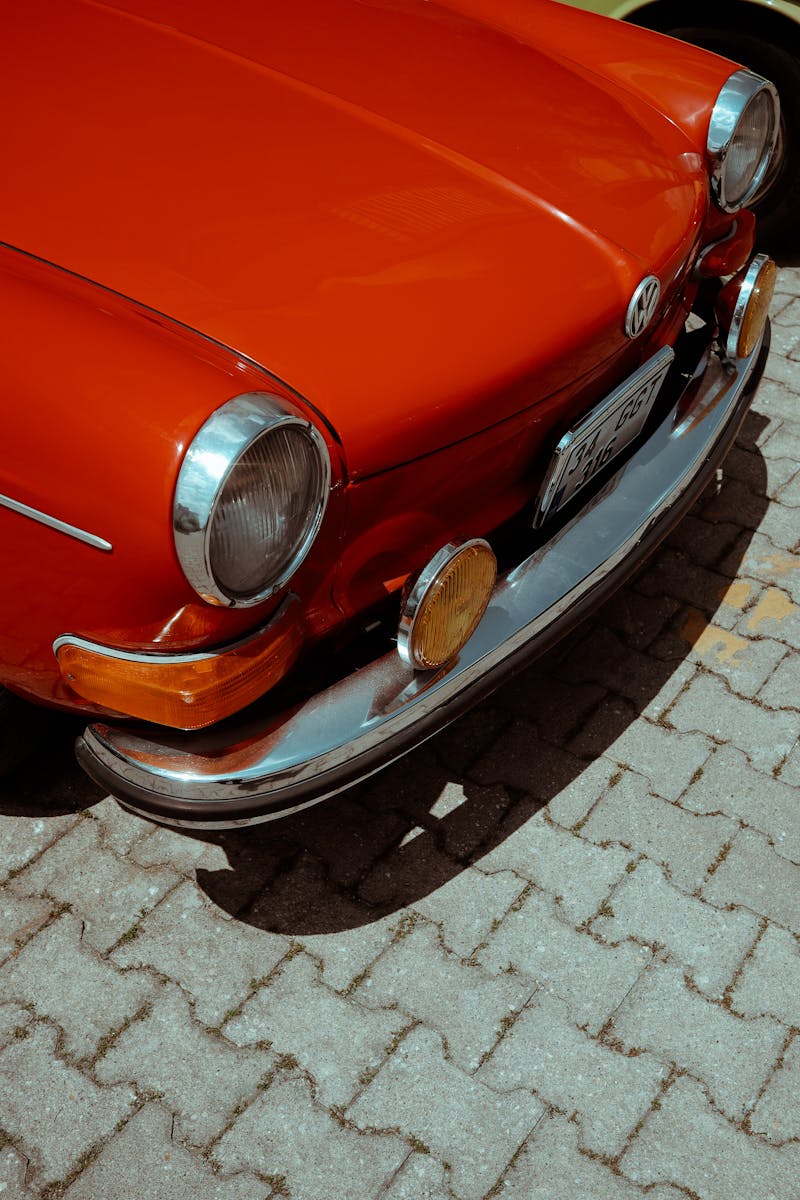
(741, 137)
(250, 497)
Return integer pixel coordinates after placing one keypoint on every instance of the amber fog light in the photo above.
(446, 603)
(743, 306)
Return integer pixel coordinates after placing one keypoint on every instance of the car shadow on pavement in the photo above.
(49, 782)
(395, 838)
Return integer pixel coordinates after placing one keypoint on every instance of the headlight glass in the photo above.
(249, 500)
(741, 138)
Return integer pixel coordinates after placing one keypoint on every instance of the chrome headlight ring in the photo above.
(264, 471)
(744, 96)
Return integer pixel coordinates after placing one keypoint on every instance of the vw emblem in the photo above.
(642, 306)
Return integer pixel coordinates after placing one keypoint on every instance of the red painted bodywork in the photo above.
(424, 220)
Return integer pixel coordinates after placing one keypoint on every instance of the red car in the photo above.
(351, 353)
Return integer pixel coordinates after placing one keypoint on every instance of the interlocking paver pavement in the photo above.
(553, 953)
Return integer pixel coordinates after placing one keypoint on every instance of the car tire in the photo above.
(778, 204)
(21, 730)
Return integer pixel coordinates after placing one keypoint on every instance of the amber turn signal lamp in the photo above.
(184, 691)
(743, 306)
(443, 608)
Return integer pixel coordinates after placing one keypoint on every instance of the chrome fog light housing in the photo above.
(249, 500)
(444, 607)
(747, 298)
(741, 138)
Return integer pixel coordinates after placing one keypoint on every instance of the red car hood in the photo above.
(400, 211)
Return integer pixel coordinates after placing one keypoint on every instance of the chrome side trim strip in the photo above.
(80, 535)
(266, 768)
(159, 658)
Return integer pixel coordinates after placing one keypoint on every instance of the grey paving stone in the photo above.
(165, 847)
(56, 972)
(784, 371)
(561, 863)
(302, 1017)
(534, 941)
(463, 817)
(665, 1191)
(119, 829)
(320, 1156)
(348, 837)
(143, 1161)
(465, 1004)
(607, 661)
(604, 727)
(746, 663)
(708, 707)
(406, 788)
(418, 1091)
(21, 839)
(730, 785)
(682, 674)
(608, 1092)
(420, 1178)
(213, 959)
(779, 526)
(770, 563)
(552, 1167)
(520, 759)
(668, 760)
(54, 1113)
(13, 1175)
(788, 281)
(459, 744)
(13, 1020)
(551, 705)
(708, 943)
(108, 893)
(740, 596)
(774, 615)
(790, 770)
(732, 1055)
(784, 440)
(777, 1114)
(785, 313)
(20, 919)
(736, 501)
(469, 905)
(639, 619)
(575, 801)
(707, 542)
(685, 843)
(202, 1077)
(789, 495)
(784, 342)
(394, 881)
(762, 474)
(344, 934)
(677, 574)
(782, 689)
(754, 875)
(770, 980)
(686, 1143)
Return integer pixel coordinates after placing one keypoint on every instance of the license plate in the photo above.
(601, 434)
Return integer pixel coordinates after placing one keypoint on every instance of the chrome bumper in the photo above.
(246, 772)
